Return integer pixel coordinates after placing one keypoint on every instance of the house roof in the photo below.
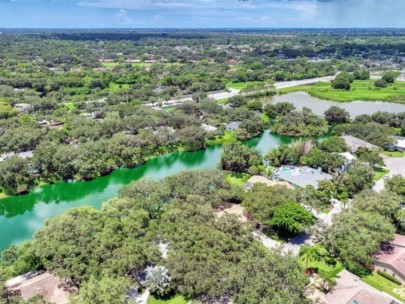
(350, 289)
(302, 176)
(393, 254)
(400, 141)
(233, 125)
(46, 284)
(355, 143)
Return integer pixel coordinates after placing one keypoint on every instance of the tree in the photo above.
(380, 83)
(158, 280)
(283, 155)
(390, 76)
(342, 81)
(310, 253)
(292, 218)
(193, 138)
(396, 184)
(329, 162)
(104, 290)
(333, 144)
(336, 115)
(239, 158)
(15, 177)
(278, 109)
(371, 157)
(361, 74)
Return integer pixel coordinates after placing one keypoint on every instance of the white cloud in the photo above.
(123, 17)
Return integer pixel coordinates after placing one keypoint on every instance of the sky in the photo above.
(201, 13)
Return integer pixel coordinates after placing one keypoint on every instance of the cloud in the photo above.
(123, 17)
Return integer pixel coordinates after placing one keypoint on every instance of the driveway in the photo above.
(396, 167)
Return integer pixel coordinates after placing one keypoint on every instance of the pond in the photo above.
(21, 216)
(319, 106)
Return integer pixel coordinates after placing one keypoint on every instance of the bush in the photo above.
(380, 83)
(389, 277)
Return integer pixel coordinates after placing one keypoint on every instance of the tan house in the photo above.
(391, 258)
(257, 179)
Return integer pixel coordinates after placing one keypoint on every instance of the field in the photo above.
(237, 179)
(114, 87)
(360, 90)
(380, 173)
(241, 85)
(228, 136)
(396, 154)
(383, 284)
(172, 300)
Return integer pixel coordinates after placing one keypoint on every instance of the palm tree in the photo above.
(328, 280)
(310, 253)
(301, 148)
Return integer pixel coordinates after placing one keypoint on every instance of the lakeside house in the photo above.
(208, 128)
(349, 159)
(355, 143)
(300, 176)
(22, 108)
(391, 258)
(45, 284)
(399, 145)
(233, 125)
(350, 289)
(23, 155)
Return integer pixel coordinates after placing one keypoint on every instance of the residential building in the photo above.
(300, 176)
(257, 179)
(233, 125)
(399, 144)
(350, 289)
(355, 143)
(391, 258)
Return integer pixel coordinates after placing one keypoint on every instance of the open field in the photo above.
(383, 284)
(114, 87)
(360, 90)
(228, 136)
(237, 179)
(380, 173)
(396, 154)
(241, 85)
(173, 300)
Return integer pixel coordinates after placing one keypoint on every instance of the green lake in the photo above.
(21, 216)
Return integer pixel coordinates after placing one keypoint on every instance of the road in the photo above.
(234, 92)
(396, 167)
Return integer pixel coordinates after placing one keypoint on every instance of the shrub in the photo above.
(389, 277)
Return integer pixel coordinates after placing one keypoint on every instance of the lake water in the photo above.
(21, 216)
(319, 106)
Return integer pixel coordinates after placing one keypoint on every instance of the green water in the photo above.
(21, 216)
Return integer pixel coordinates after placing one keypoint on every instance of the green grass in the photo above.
(70, 106)
(223, 100)
(383, 284)
(237, 179)
(228, 136)
(322, 266)
(109, 64)
(396, 154)
(360, 90)
(114, 87)
(173, 300)
(241, 85)
(380, 173)
(264, 117)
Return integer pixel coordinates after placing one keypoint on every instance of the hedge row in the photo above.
(389, 277)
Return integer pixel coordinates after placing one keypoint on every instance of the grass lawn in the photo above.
(237, 179)
(397, 154)
(264, 117)
(222, 101)
(114, 87)
(173, 300)
(241, 85)
(70, 106)
(109, 64)
(383, 284)
(379, 173)
(360, 90)
(228, 136)
(323, 267)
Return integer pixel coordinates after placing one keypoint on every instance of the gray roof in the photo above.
(302, 176)
(233, 125)
(355, 143)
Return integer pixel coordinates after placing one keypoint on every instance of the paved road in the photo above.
(234, 92)
(396, 167)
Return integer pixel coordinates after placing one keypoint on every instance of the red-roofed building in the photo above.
(391, 258)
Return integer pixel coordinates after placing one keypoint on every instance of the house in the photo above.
(46, 284)
(300, 176)
(355, 143)
(233, 125)
(208, 128)
(350, 289)
(399, 145)
(391, 258)
(349, 159)
(257, 179)
(22, 108)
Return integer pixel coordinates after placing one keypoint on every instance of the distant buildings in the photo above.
(233, 125)
(355, 143)
(391, 258)
(257, 179)
(301, 176)
(399, 145)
